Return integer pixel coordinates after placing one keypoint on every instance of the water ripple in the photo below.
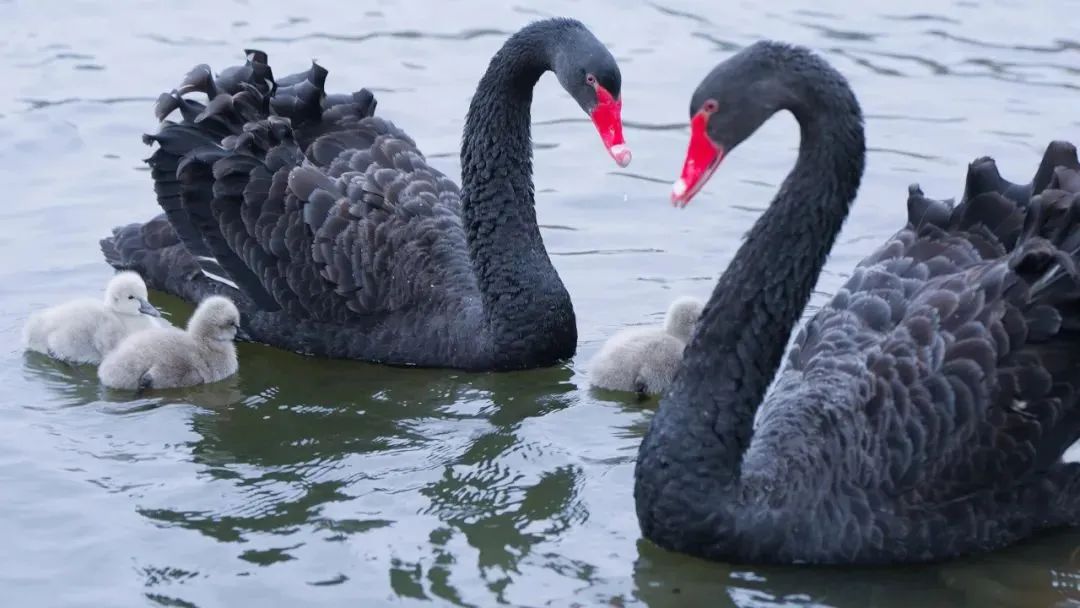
(721, 44)
(671, 12)
(609, 251)
(932, 66)
(925, 119)
(838, 34)
(55, 58)
(907, 153)
(1060, 46)
(42, 104)
(468, 34)
(921, 17)
(638, 176)
(184, 41)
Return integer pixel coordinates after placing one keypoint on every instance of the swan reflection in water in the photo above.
(1040, 572)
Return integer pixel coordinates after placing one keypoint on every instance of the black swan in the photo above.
(334, 235)
(921, 414)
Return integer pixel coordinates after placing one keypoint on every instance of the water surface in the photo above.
(321, 483)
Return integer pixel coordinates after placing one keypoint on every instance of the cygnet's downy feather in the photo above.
(171, 357)
(84, 330)
(644, 359)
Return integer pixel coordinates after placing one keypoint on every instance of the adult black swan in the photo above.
(922, 414)
(336, 237)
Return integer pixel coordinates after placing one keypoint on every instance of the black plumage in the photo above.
(337, 232)
(923, 412)
(983, 175)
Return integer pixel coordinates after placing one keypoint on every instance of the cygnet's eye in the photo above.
(131, 297)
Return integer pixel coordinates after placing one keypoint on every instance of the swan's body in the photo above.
(334, 234)
(921, 414)
(171, 357)
(644, 359)
(85, 330)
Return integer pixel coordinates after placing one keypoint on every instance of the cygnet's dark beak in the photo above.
(146, 308)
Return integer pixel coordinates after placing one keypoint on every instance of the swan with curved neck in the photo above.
(920, 415)
(524, 299)
(335, 236)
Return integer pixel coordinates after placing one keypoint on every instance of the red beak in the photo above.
(607, 116)
(702, 158)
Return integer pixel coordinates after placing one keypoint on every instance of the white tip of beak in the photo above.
(679, 188)
(621, 154)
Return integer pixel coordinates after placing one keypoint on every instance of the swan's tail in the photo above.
(993, 211)
(983, 175)
(1002, 269)
(154, 251)
(1038, 374)
(247, 114)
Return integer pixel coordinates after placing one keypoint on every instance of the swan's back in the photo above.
(941, 383)
(306, 202)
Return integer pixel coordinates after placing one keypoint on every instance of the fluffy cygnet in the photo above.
(171, 357)
(645, 359)
(85, 330)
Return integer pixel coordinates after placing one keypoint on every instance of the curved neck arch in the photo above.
(704, 424)
(528, 310)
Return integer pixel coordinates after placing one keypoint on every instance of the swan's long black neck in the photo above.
(704, 425)
(529, 312)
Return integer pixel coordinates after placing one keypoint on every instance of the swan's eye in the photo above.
(590, 79)
(131, 297)
(710, 106)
